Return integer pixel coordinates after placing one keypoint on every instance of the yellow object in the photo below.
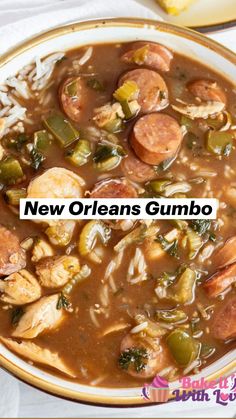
(174, 7)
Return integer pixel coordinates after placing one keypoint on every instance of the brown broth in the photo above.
(77, 340)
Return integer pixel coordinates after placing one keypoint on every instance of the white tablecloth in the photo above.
(18, 399)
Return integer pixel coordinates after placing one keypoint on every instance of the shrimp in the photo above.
(153, 357)
(56, 183)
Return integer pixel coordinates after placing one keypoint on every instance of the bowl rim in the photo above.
(9, 365)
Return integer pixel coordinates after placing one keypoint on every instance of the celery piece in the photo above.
(13, 196)
(128, 91)
(80, 154)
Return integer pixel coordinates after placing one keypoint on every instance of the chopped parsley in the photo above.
(63, 302)
(17, 313)
(164, 165)
(200, 226)
(169, 247)
(104, 152)
(133, 358)
(36, 158)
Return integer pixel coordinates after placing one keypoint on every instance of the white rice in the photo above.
(4, 99)
(93, 317)
(20, 86)
(138, 266)
(166, 371)
(110, 269)
(86, 57)
(104, 295)
(191, 366)
(112, 284)
(98, 380)
(14, 114)
(139, 328)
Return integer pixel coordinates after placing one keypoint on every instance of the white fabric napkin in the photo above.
(9, 396)
(19, 20)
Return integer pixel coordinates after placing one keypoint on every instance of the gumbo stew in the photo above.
(115, 303)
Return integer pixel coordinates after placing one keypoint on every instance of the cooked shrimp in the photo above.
(56, 182)
(55, 272)
(155, 356)
(20, 288)
(39, 316)
(35, 353)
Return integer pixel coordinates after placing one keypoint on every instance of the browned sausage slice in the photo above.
(136, 170)
(207, 90)
(156, 137)
(70, 94)
(224, 324)
(153, 92)
(220, 281)
(226, 254)
(12, 256)
(149, 54)
(113, 188)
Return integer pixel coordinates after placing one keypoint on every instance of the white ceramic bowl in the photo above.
(179, 39)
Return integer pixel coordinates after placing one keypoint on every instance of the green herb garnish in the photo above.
(104, 152)
(200, 226)
(164, 165)
(63, 302)
(134, 358)
(36, 158)
(170, 247)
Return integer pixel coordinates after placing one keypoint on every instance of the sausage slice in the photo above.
(113, 188)
(226, 254)
(136, 170)
(150, 54)
(12, 256)
(153, 92)
(224, 324)
(220, 281)
(207, 90)
(156, 137)
(70, 94)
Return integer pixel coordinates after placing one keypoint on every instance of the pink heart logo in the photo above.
(224, 396)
